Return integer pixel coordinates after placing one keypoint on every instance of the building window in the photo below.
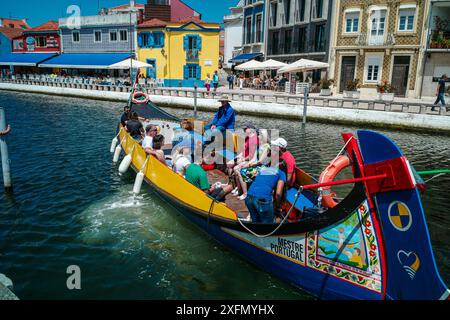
(274, 13)
(377, 28)
(301, 10)
(113, 35)
(158, 39)
(41, 42)
(319, 8)
(75, 36)
(144, 40)
(351, 22)
(259, 28)
(18, 44)
(301, 39)
(319, 38)
(373, 68)
(97, 36)
(123, 35)
(192, 71)
(248, 30)
(275, 42)
(406, 19)
(287, 10)
(287, 41)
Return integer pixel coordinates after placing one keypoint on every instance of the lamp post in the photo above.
(4, 130)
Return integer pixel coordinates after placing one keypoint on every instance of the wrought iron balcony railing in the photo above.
(192, 54)
(386, 39)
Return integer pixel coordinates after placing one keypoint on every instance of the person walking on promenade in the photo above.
(230, 79)
(215, 80)
(440, 91)
(241, 81)
(208, 82)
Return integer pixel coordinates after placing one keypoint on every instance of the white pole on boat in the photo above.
(305, 103)
(4, 152)
(195, 101)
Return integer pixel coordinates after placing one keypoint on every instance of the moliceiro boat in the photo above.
(372, 244)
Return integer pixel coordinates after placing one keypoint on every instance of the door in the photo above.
(348, 66)
(377, 27)
(400, 73)
(151, 72)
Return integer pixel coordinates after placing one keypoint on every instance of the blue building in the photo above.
(253, 29)
(6, 36)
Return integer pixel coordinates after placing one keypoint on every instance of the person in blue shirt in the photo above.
(268, 184)
(440, 91)
(215, 80)
(223, 120)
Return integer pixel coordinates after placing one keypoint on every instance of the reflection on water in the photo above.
(70, 206)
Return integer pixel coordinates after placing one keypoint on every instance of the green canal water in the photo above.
(70, 207)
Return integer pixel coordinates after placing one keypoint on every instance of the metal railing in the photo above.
(386, 39)
(293, 100)
(192, 54)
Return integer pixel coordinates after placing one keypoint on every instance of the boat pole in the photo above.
(4, 130)
(195, 101)
(305, 103)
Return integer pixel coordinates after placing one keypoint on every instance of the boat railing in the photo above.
(291, 100)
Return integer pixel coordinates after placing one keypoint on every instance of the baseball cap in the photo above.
(280, 142)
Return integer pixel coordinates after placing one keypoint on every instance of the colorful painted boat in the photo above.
(374, 244)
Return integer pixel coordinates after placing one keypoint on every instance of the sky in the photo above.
(40, 11)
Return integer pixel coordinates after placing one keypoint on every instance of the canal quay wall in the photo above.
(414, 116)
(5, 292)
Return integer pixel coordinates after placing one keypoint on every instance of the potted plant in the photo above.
(352, 89)
(433, 44)
(385, 91)
(325, 85)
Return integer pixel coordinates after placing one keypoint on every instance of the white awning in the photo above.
(130, 63)
(304, 65)
(272, 65)
(250, 65)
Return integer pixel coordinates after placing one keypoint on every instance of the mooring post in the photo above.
(195, 101)
(4, 152)
(305, 103)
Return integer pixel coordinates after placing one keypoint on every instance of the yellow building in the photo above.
(182, 53)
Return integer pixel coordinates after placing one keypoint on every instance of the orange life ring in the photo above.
(139, 97)
(328, 175)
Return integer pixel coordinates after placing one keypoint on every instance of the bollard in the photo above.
(305, 103)
(195, 101)
(4, 153)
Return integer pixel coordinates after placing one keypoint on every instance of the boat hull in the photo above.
(320, 284)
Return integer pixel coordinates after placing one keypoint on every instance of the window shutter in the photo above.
(151, 40)
(186, 72)
(186, 42)
(140, 40)
(199, 73)
(199, 43)
(162, 39)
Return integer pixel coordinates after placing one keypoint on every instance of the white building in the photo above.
(233, 25)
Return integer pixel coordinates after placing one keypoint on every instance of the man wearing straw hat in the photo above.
(223, 120)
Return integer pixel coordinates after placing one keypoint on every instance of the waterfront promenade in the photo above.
(401, 113)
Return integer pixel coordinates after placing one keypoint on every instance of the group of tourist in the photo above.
(259, 175)
(263, 81)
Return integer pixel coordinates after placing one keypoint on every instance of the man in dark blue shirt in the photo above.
(125, 115)
(440, 91)
(223, 120)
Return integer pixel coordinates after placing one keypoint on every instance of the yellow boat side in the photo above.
(171, 183)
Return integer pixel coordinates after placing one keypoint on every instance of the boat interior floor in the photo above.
(231, 201)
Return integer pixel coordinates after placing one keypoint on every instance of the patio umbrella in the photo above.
(303, 65)
(250, 65)
(272, 64)
(128, 63)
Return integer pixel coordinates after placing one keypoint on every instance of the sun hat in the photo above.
(224, 97)
(280, 142)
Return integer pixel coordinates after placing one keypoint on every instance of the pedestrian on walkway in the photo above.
(241, 81)
(230, 80)
(215, 80)
(440, 91)
(207, 82)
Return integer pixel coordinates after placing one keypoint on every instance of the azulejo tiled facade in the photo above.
(378, 40)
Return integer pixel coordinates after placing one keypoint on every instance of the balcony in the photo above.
(192, 54)
(365, 40)
(439, 41)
